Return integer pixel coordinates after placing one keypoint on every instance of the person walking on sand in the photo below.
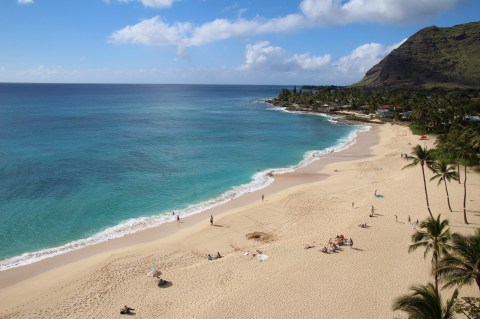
(263, 197)
(178, 218)
(211, 220)
(375, 193)
(396, 218)
(353, 204)
(409, 220)
(372, 210)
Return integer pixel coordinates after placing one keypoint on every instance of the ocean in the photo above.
(85, 163)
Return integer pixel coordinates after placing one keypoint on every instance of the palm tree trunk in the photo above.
(458, 171)
(465, 193)
(435, 272)
(426, 194)
(448, 197)
(478, 282)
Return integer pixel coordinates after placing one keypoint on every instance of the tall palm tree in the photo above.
(461, 265)
(468, 144)
(423, 156)
(425, 303)
(433, 235)
(444, 173)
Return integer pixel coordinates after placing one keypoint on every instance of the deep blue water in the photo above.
(81, 163)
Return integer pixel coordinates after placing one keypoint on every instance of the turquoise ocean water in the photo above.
(84, 163)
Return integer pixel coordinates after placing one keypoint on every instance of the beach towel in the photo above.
(261, 257)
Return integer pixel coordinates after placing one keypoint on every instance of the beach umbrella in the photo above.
(154, 273)
(423, 137)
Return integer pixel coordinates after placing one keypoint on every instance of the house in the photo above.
(406, 115)
(384, 113)
(392, 108)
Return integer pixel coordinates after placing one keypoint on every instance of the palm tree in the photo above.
(461, 265)
(425, 303)
(468, 146)
(422, 156)
(433, 236)
(444, 173)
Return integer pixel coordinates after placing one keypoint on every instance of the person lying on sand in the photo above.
(126, 310)
(209, 257)
(307, 246)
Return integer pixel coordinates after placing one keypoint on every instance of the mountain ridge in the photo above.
(432, 57)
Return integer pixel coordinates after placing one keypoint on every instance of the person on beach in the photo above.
(209, 257)
(211, 220)
(396, 218)
(218, 255)
(372, 210)
(375, 193)
(351, 243)
(263, 197)
(353, 204)
(178, 218)
(409, 220)
(126, 310)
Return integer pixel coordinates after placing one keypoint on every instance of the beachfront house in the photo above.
(388, 111)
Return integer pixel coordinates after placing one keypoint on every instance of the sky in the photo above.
(280, 42)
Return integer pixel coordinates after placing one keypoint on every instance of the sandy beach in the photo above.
(332, 196)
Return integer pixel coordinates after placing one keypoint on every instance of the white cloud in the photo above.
(313, 13)
(363, 58)
(264, 64)
(151, 32)
(262, 57)
(25, 1)
(386, 11)
(155, 32)
(158, 4)
(306, 62)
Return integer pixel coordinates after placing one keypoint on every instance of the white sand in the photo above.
(309, 206)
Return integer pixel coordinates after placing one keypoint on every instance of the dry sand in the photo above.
(309, 206)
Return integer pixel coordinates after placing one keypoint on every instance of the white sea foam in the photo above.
(259, 180)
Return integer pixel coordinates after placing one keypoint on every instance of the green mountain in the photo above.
(432, 57)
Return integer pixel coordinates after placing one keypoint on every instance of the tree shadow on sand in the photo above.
(470, 225)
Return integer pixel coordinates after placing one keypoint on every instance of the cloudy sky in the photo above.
(210, 41)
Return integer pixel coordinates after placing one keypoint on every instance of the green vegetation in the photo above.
(444, 172)
(432, 83)
(432, 57)
(455, 262)
(433, 235)
(426, 303)
(461, 265)
(422, 156)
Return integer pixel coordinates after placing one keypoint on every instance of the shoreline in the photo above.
(135, 225)
(305, 170)
(330, 197)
